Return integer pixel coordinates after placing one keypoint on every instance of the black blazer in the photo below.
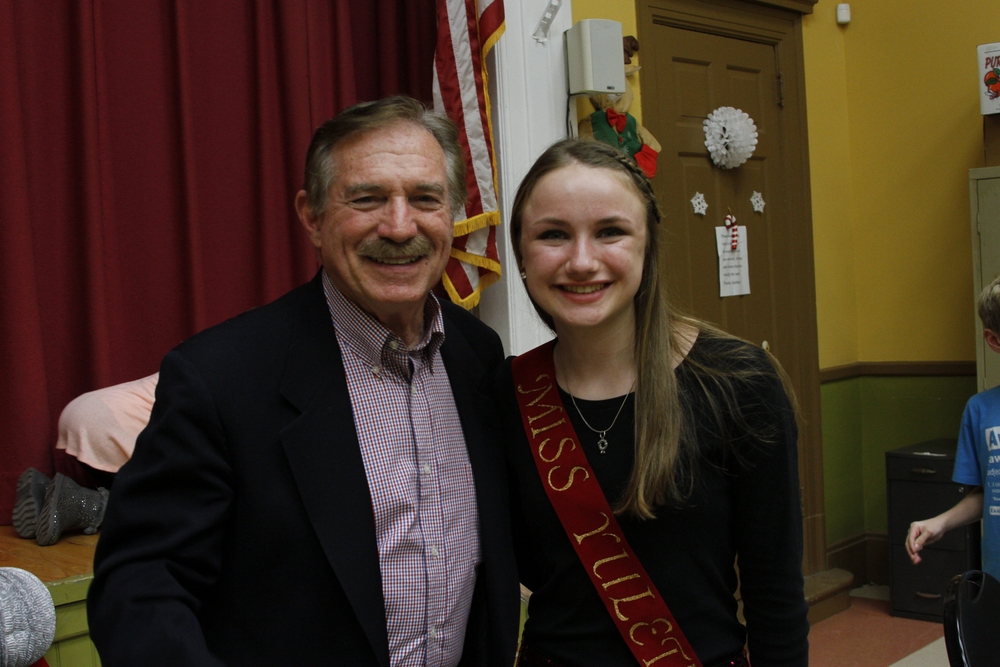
(241, 532)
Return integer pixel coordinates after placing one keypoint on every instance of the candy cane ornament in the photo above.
(734, 229)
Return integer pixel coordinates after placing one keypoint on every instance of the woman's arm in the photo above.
(768, 524)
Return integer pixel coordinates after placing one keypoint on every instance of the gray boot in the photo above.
(31, 488)
(69, 506)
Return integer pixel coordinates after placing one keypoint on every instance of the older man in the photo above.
(319, 482)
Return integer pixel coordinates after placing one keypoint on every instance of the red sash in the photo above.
(636, 607)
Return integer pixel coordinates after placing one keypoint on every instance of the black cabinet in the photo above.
(919, 486)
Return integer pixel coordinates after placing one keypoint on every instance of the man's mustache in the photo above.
(378, 249)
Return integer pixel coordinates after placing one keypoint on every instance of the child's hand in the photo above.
(921, 533)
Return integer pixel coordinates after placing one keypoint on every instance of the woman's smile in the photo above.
(582, 246)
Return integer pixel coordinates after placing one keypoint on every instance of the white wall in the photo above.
(528, 91)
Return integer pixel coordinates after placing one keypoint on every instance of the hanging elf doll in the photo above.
(612, 124)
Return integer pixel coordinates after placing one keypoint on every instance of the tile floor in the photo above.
(865, 635)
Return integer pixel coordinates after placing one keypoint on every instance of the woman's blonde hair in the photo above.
(665, 448)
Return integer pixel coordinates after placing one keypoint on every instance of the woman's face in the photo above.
(583, 238)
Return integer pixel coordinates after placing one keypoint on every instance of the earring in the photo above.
(524, 276)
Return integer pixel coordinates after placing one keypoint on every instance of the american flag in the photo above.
(467, 30)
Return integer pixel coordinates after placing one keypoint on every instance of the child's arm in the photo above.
(965, 511)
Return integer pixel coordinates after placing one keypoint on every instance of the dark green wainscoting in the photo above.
(864, 417)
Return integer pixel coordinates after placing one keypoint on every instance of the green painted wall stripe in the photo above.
(867, 416)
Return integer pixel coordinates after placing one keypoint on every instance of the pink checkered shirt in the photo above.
(423, 494)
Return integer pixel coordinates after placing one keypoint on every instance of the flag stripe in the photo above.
(468, 67)
(476, 106)
(466, 33)
(491, 18)
(450, 89)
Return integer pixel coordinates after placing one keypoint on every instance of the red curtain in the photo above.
(149, 155)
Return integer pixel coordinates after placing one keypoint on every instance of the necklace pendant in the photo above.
(602, 442)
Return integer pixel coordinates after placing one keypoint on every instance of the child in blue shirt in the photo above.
(977, 461)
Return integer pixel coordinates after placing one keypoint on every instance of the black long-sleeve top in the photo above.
(745, 504)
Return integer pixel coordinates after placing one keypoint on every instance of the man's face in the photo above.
(386, 234)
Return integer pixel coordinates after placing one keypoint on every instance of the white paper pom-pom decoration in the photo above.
(730, 136)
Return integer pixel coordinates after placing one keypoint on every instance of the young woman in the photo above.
(652, 457)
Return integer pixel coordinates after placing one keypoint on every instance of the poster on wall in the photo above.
(989, 78)
(734, 267)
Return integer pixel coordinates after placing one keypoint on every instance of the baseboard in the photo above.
(897, 369)
(865, 555)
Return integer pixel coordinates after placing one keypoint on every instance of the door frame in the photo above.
(779, 24)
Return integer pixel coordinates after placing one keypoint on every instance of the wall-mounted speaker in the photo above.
(595, 59)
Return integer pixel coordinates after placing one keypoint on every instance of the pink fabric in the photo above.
(99, 428)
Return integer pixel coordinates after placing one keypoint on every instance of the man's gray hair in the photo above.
(368, 117)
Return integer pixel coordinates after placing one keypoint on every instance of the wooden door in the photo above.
(696, 57)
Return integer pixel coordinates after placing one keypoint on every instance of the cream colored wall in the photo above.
(891, 217)
(894, 127)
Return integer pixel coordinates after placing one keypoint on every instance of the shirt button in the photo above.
(394, 344)
(426, 468)
(376, 369)
(434, 633)
(434, 551)
(413, 390)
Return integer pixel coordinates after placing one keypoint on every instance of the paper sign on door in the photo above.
(734, 267)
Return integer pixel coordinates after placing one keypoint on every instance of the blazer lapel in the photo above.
(325, 456)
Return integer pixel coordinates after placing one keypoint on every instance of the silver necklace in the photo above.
(602, 442)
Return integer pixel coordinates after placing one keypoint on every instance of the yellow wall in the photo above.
(834, 239)
(894, 126)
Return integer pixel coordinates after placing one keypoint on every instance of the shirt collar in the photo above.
(370, 339)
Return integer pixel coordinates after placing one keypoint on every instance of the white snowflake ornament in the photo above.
(757, 201)
(699, 204)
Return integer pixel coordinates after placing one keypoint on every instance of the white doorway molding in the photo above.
(528, 92)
